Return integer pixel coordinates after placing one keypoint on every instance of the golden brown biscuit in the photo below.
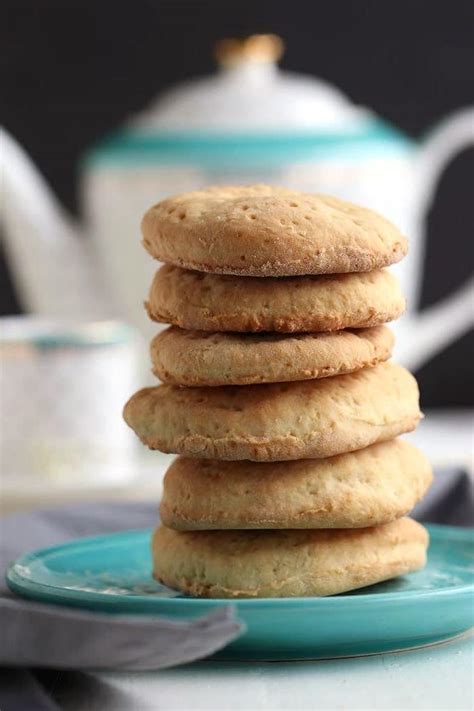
(278, 421)
(302, 563)
(369, 487)
(212, 302)
(260, 230)
(197, 358)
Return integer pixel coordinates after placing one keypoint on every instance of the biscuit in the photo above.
(302, 563)
(260, 230)
(369, 487)
(197, 358)
(278, 421)
(212, 302)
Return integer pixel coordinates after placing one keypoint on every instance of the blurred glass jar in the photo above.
(62, 390)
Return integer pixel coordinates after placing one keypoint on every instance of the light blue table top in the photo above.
(437, 677)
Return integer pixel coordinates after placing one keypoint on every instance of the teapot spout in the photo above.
(50, 260)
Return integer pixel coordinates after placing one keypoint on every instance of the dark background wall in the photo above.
(72, 70)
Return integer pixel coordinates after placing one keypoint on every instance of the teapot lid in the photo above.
(249, 93)
(248, 112)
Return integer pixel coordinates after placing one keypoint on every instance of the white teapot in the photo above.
(249, 123)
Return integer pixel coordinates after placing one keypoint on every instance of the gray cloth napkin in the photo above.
(35, 634)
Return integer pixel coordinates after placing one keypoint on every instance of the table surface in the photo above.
(436, 677)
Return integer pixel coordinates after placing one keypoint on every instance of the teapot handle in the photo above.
(437, 327)
(451, 136)
(442, 323)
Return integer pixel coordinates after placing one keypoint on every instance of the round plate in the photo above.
(112, 573)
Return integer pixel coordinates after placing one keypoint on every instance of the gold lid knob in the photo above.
(255, 48)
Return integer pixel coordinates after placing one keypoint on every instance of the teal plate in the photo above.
(112, 574)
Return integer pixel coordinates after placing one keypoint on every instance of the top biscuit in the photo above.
(261, 230)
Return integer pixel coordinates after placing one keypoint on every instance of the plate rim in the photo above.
(23, 585)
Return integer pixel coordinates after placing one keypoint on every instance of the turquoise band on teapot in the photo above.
(372, 139)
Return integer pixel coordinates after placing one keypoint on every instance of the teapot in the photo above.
(250, 122)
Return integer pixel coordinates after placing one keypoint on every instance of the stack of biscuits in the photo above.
(278, 396)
